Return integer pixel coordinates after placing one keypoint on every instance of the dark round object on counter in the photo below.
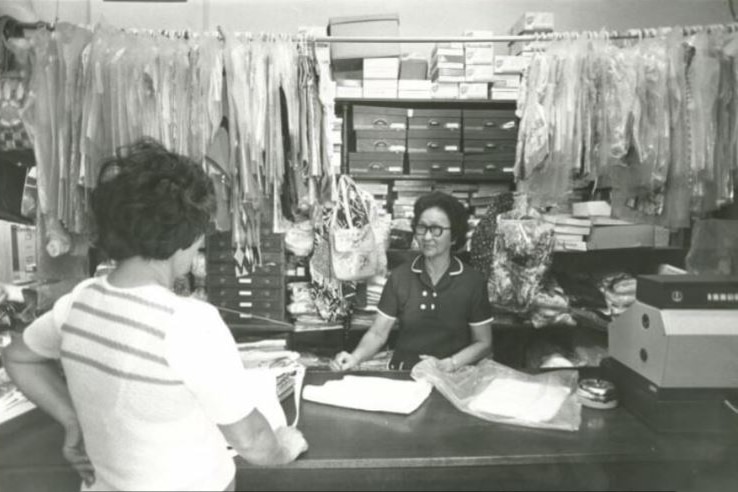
(597, 393)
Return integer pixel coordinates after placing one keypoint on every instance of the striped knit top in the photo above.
(150, 375)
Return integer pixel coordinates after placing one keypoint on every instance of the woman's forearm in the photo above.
(371, 343)
(471, 353)
(42, 383)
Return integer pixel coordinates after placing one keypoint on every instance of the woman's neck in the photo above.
(436, 266)
(139, 272)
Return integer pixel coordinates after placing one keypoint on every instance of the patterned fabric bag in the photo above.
(13, 135)
(353, 246)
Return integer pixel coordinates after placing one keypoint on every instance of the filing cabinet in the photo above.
(378, 163)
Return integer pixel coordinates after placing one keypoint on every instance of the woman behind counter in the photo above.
(154, 382)
(440, 302)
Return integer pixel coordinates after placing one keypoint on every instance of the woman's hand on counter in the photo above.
(343, 361)
(292, 442)
(75, 453)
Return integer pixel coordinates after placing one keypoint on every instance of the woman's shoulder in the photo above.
(468, 271)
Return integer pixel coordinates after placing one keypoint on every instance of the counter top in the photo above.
(436, 447)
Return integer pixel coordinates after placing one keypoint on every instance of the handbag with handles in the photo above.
(353, 248)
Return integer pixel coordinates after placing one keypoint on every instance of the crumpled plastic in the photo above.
(497, 393)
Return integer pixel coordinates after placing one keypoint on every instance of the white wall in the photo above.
(417, 17)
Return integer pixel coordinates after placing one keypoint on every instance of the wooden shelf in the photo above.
(438, 103)
(415, 177)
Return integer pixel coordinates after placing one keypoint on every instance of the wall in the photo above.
(417, 17)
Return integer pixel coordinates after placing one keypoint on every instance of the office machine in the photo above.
(674, 352)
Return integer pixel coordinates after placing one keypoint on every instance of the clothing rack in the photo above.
(638, 33)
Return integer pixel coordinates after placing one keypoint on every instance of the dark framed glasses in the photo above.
(435, 230)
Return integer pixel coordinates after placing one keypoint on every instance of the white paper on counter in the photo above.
(369, 393)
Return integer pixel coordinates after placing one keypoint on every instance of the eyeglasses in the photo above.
(435, 230)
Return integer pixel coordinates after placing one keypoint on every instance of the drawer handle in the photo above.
(436, 167)
(433, 123)
(490, 146)
(376, 166)
(509, 125)
(490, 124)
(432, 145)
(490, 167)
(380, 122)
(381, 144)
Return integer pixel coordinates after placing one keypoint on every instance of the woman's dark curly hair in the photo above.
(150, 202)
(454, 210)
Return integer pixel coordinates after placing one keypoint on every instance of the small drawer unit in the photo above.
(425, 141)
(479, 142)
(488, 165)
(379, 118)
(380, 141)
(436, 164)
(244, 301)
(435, 119)
(379, 163)
(494, 123)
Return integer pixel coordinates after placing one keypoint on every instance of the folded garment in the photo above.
(370, 393)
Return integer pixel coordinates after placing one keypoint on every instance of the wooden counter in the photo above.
(435, 448)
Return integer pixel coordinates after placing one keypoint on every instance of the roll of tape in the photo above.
(597, 393)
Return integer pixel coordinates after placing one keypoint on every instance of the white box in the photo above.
(511, 64)
(533, 22)
(415, 85)
(520, 47)
(479, 73)
(444, 90)
(381, 68)
(414, 94)
(380, 88)
(506, 81)
(349, 88)
(476, 55)
(475, 90)
(504, 94)
(446, 65)
(588, 209)
(478, 34)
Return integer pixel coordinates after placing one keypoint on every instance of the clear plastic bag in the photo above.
(495, 392)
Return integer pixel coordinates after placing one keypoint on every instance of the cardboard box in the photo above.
(511, 64)
(531, 22)
(503, 94)
(477, 55)
(478, 34)
(629, 236)
(479, 73)
(380, 88)
(413, 69)
(590, 209)
(521, 47)
(506, 81)
(445, 90)
(473, 90)
(364, 25)
(381, 68)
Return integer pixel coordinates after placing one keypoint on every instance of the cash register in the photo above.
(674, 353)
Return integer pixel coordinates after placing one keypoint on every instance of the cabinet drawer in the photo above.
(252, 317)
(436, 164)
(246, 293)
(433, 145)
(488, 164)
(492, 124)
(501, 148)
(434, 119)
(256, 281)
(251, 305)
(375, 163)
(219, 245)
(379, 118)
(380, 141)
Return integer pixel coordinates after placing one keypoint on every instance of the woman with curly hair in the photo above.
(440, 302)
(153, 385)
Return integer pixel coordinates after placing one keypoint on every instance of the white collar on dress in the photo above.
(416, 268)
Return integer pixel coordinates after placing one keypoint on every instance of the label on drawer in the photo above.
(397, 126)
(451, 148)
(394, 169)
(397, 148)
